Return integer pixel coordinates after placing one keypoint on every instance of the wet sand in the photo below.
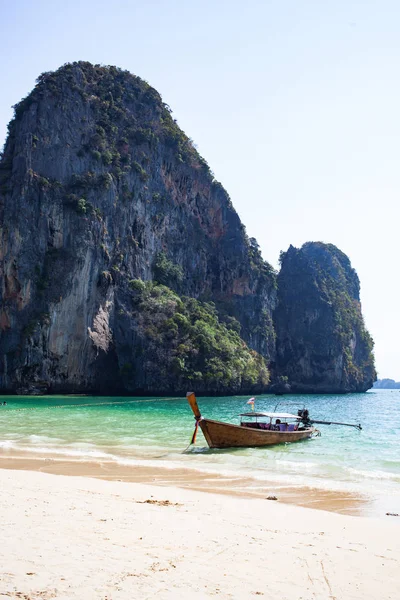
(329, 500)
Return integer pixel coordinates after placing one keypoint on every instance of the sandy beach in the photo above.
(77, 537)
(342, 502)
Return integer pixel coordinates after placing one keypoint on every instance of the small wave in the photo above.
(392, 462)
(197, 450)
(296, 466)
(82, 453)
(374, 474)
(7, 444)
(43, 439)
(82, 446)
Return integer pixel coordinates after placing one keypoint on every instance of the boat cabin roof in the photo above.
(271, 415)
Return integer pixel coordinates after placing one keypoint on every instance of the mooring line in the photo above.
(94, 404)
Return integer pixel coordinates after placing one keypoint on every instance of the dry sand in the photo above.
(75, 537)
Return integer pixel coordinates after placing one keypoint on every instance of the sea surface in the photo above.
(155, 432)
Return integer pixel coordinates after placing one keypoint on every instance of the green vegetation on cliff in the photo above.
(183, 342)
(128, 112)
(322, 339)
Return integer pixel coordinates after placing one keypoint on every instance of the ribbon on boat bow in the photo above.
(193, 440)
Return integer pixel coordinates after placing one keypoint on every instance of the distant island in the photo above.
(386, 384)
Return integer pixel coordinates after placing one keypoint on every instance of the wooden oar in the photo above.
(336, 423)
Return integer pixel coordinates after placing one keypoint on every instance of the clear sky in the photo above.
(295, 104)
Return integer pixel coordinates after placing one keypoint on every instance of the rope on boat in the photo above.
(193, 440)
(89, 404)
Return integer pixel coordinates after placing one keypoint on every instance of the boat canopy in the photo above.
(271, 415)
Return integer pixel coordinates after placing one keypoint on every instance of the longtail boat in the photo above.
(259, 430)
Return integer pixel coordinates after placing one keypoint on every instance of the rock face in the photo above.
(322, 343)
(99, 189)
(124, 267)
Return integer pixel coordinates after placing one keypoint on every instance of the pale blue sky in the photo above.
(294, 104)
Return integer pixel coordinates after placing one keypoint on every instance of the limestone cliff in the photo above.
(322, 343)
(101, 194)
(124, 267)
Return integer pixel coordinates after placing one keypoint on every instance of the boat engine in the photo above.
(305, 418)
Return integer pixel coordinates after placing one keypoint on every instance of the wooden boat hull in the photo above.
(225, 435)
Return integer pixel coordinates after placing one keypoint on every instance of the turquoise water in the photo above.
(155, 432)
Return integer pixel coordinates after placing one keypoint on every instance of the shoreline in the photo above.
(340, 502)
(77, 537)
(344, 471)
(182, 395)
